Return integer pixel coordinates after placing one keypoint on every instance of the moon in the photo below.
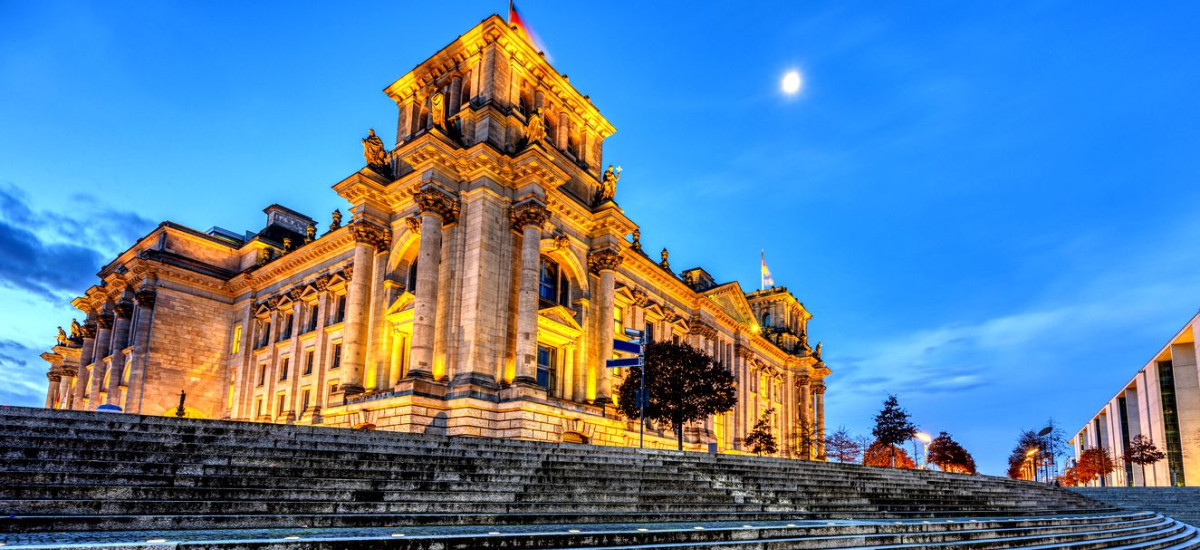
(791, 82)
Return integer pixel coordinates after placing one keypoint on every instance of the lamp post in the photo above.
(925, 440)
(1031, 455)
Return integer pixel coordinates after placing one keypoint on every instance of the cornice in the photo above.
(302, 258)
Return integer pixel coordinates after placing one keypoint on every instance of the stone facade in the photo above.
(474, 289)
(1162, 402)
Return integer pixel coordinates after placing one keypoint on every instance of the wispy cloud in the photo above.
(24, 373)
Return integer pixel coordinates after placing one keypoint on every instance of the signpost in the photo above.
(635, 346)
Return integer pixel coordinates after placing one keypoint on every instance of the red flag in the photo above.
(514, 18)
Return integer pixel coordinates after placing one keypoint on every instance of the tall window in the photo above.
(553, 287)
(304, 400)
(313, 315)
(339, 311)
(285, 326)
(284, 364)
(258, 410)
(264, 337)
(766, 320)
(281, 403)
(309, 359)
(619, 321)
(412, 277)
(648, 336)
(336, 360)
(262, 373)
(546, 358)
(237, 338)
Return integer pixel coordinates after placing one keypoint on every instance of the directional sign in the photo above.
(619, 363)
(627, 347)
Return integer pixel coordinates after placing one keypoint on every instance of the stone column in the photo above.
(104, 325)
(527, 217)
(52, 386)
(141, 349)
(64, 388)
(368, 238)
(120, 335)
(438, 208)
(604, 262)
(805, 426)
(818, 389)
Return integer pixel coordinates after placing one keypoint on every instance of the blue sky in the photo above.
(990, 210)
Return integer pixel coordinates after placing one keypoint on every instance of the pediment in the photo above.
(730, 298)
(402, 302)
(560, 315)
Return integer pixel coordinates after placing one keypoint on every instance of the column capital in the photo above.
(104, 321)
(802, 380)
(818, 387)
(370, 233)
(432, 200)
(145, 297)
(124, 310)
(605, 259)
(54, 376)
(89, 330)
(528, 212)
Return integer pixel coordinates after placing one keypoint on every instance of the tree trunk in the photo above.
(679, 434)
(1144, 475)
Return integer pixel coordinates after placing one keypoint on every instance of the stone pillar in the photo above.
(604, 262)
(141, 349)
(63, 394)
(438, 208)
(805, 425)
(818, 389)
(368, 238)
(527, 217)
(52, 388)
(120, 336)
(104, 325)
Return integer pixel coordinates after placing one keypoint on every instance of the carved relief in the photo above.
(432, 200)
(526, 213)
(604, 260)
(414, 223)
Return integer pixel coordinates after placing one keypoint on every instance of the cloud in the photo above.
(54, 255)
(24, 375)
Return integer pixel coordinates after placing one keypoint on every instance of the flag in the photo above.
(767, 281)
(514, 18)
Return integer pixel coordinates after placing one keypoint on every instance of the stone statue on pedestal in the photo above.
(62, 337)
(437, 110)
(374, 151)
(337, 220)
(608, 184)
(535, 129)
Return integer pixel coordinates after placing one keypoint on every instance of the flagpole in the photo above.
(510, 11)
(762, 261)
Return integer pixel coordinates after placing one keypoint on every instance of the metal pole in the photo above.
(642, 409)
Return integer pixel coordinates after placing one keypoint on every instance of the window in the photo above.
(546, 358)
(339, 310)
(333, 388)
(412, 277)
(336, 360)
(313, 316)
(309, 359)
(766, 322)
(553, 287)
(649, 334)
(237, 338)
(262, 373)
(304, 400)
(619, 321)
(284, 364)
(285, 326)
(264, 337)
(281, 402)
(258, 407)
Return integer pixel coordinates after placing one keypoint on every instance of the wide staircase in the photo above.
(111, 480)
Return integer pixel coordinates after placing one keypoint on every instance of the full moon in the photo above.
(791, 82)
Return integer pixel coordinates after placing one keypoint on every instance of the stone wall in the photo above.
(189, 337)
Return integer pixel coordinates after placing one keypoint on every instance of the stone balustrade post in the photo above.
(368, 238)
(604, 263)
(438, 208)
(527, 218)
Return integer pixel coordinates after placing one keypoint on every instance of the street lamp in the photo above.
(1029, 456)
(925, 439)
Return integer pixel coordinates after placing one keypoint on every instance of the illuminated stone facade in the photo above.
(474, 289)
(1162, 402)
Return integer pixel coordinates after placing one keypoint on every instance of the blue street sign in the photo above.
(618, 363)
(627, 347)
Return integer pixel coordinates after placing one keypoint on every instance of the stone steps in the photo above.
(94, 478)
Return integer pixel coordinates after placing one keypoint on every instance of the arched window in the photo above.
(766, 322)
(553, 286)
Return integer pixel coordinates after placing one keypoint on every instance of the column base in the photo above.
(527, 381)
(350, 389)
(418, 375)
(522, 391)
(425, 387)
